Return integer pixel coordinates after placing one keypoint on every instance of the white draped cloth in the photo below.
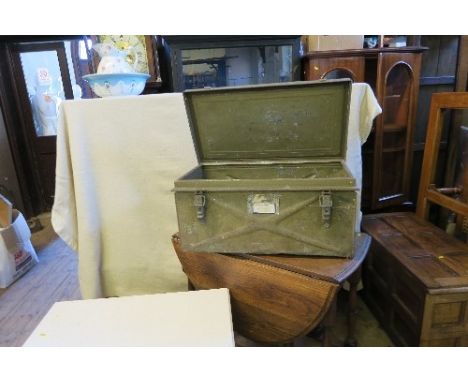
(363, 109)
(117, 159)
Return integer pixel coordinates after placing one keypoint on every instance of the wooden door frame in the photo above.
(16, 114)
(37, 145)
(11, 112)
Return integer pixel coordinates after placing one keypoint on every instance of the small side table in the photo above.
(277, 299)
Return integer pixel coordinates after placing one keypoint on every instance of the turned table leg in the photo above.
(352, 308)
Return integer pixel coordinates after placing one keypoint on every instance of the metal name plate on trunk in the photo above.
(263, 204)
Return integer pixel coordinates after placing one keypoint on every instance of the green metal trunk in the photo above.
(272, 178)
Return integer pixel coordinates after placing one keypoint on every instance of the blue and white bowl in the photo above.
(117, 84)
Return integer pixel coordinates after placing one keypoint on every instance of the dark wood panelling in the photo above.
(462, 70)
(422, 114)
(447, 65)
(431, 56)
(443, 80)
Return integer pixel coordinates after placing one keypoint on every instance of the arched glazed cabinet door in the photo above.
(339, 73)
(334, 64)
(393, 140)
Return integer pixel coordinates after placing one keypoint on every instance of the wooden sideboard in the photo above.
(393, 74)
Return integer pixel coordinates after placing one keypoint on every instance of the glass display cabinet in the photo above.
(190, 62)
(393, 74)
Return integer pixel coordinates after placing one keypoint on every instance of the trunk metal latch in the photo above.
(199, 201)
(326, 203)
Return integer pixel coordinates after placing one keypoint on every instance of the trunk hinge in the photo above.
(199, 201)
(326, 204)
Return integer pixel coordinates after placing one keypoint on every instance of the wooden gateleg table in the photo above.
(277, 299)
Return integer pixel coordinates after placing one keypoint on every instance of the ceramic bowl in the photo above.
(117, 84)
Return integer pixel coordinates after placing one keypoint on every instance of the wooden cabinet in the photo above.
(393, 74)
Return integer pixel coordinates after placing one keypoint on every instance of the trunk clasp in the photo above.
(326, 204)
(199, 201)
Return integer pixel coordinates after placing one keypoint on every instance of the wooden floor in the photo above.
(25, 302)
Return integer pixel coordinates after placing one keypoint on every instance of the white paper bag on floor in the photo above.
(17, 255)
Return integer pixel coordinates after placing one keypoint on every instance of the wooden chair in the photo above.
(428, 193)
